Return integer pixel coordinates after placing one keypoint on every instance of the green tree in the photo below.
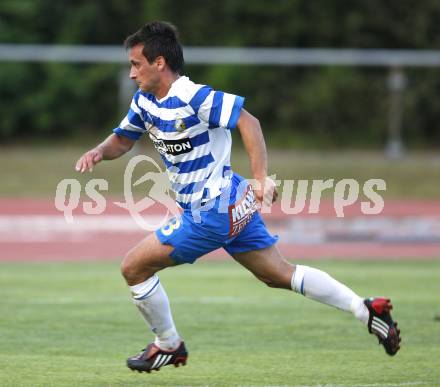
(326, 106)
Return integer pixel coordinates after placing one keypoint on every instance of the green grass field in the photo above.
(72, 324)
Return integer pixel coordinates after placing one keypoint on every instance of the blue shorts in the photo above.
(235, 231)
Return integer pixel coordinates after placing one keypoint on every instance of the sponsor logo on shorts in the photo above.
(173, 147)
(241, 212)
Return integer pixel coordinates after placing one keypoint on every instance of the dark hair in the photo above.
(159, 39)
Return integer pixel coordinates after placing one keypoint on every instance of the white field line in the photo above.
(46, 228)
(403, 384)
(299, 230)
(116, 300)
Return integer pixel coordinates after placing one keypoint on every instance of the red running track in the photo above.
(34, 230)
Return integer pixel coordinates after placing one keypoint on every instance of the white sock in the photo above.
(319, 286)
(152, 301)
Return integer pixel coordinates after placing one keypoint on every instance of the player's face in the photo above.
(145, 74)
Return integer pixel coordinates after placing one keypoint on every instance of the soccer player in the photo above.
(190, 126)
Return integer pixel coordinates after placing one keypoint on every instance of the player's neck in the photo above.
(166, 82)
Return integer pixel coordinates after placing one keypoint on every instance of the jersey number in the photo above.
(172, 225)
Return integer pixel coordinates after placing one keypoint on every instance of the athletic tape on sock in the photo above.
(359, 309)
(297, 282)
(145, 289)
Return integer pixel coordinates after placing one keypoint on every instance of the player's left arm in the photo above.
(253, 140)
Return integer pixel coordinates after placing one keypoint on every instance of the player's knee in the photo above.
(128, 270)
(276, 279)
(271, 281)
(134, 269)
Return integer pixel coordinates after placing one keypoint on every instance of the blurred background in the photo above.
(326, 114)
(344, 89)
(325, 107)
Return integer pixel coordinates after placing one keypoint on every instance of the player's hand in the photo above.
(265, 192)
(88, 160)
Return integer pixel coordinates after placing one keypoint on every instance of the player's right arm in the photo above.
(111, 148)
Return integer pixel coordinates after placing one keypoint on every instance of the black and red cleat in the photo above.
(153, 358)
(382, 325)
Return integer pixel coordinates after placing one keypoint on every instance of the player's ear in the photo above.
(160, 63)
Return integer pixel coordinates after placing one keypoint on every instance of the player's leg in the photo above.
(139, 269)
(145, 259)
(255, 249)
(270, 267)
(179, 241)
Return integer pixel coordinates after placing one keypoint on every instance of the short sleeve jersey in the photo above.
(190, 128)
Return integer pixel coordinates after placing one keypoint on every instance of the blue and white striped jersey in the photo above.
(190, 128)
